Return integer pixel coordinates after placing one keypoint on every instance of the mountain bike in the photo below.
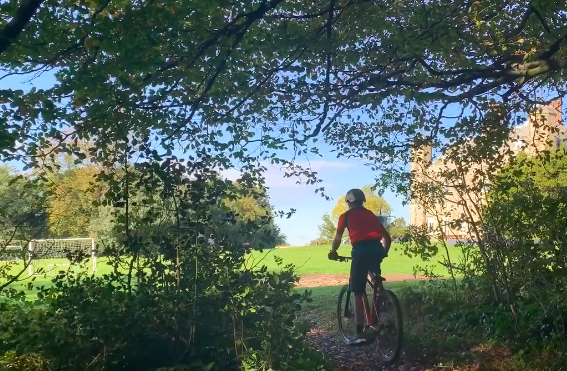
(383, 318)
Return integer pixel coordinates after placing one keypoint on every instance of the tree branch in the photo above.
(542, 21)
(13, 29)
(515, 32)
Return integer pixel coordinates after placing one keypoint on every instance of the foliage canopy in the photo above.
(240, 81)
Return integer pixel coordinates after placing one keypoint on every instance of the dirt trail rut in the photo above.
(324, 279)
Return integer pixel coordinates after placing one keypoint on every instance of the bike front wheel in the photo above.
(389, 327)
(345, 314)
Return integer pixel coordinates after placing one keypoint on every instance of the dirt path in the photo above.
(324, 279)
(348, 358)
(361, 358)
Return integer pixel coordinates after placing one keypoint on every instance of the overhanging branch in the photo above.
(13, 29)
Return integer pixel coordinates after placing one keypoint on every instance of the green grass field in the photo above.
(313, 259)
(48, 268)
(308, 260)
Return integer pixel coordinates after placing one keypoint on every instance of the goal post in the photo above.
(30, 257)
(48, 254)
(93, 255)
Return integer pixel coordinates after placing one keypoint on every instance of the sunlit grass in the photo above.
(313, 259)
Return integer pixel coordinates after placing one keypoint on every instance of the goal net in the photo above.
(51, 255)
(13, 251)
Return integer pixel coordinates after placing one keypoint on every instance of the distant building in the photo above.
(535, 135)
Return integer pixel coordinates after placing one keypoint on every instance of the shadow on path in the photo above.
(361, 358)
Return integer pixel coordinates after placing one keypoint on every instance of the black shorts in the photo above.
(366, 257)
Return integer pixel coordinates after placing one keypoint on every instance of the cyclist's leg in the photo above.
(374, 261)
(358, 273)
(375, 257)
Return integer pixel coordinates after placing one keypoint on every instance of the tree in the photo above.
(401, 85)
(23, 217)
(374, 203)
(327, 228)
(398, 228)
(14, 27)
(527, 203)
(246, 208)
(22, 207)
(71, 205)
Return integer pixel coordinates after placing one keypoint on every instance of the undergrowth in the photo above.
(462, 328)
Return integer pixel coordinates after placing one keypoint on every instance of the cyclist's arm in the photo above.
(386, 239)
(339, 234)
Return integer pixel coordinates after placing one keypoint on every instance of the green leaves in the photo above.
(256, 70)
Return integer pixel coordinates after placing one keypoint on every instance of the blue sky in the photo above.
(338, 176)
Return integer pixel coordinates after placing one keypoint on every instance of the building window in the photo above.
(431, 222)
(446, 222)
(518, 145)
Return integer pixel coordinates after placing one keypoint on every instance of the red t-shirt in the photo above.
(362, 225)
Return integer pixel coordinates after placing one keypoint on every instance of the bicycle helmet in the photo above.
(355, 195)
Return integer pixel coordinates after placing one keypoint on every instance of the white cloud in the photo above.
(231, 174)
(275, 174)
(319, 165)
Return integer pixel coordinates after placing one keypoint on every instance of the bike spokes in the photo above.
(388, 327)
(345, 313)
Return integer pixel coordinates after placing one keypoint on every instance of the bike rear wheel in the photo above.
(389, 334)
(345, 314)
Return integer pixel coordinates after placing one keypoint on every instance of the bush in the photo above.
(171, 302)
(470, 327)
(512, 292)
(227, 321)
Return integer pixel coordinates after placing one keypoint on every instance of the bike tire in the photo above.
(390, 297)
(346, 298)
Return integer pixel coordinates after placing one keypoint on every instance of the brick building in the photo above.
(459, 199)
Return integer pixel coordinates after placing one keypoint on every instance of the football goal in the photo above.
(45, 256)
(12, 251)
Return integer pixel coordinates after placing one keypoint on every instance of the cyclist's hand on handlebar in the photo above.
(333, 255)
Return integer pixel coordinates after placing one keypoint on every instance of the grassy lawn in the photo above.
(308, 260)
(49, 269)
(313, 259)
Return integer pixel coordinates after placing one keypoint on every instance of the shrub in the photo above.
(172, 302)
(226, 321)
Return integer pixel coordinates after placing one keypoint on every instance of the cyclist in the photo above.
(370, 244)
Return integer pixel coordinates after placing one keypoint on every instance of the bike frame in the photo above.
(376, 283)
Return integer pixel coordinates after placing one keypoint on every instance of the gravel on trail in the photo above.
(357, 358)
(361, 358)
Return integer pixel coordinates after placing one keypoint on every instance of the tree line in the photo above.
(68, 202)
